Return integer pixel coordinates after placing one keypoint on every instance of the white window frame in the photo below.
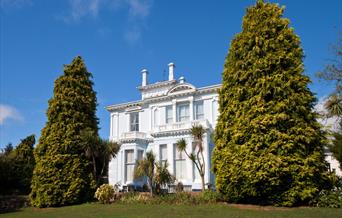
(186, 116)
(129, 164)
(198, 115)
(179, 157)
(134, 122)
(161, 158)
(168, 114)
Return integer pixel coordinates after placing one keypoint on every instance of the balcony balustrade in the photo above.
(181, 126)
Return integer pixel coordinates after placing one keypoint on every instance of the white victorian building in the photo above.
(166, 112)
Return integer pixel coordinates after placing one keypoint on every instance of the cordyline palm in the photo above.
(334, 106)
(197, 157)
(156, 173)
(145, 167)
(163, 176)
(99, 152)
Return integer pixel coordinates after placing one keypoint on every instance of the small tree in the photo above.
(145, 167)
(197, 157)
(99, 152)
(163, 176)
(156, 173)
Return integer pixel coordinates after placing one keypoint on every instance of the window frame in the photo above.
(182, 160)
(134, 122)
(198, 116)
(168, 119)
(186, 117)
(129, 164)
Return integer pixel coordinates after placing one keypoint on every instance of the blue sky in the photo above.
(118, 38)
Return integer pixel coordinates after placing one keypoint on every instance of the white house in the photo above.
(166, 112)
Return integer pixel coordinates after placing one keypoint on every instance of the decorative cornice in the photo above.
(172, 133)
(203, 90)
(133, 140)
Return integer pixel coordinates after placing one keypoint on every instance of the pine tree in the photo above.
(268, 144)
(63, 174)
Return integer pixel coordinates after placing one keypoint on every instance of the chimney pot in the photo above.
(144, 77)
(171, 71)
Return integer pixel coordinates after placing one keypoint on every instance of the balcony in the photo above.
(133, 136)
(179, 127)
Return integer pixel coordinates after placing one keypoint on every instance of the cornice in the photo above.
(203, 90)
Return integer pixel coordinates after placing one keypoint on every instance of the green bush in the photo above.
(209, 196)
(105, 193)
(332, 197)
(174, 198)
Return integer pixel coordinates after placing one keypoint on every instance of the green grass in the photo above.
(163, 210)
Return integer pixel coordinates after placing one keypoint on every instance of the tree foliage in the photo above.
(333, 73)
(16, 167)
(99, 152)
(157, 174)
(196, 156)
(63, 174)
(268, 144)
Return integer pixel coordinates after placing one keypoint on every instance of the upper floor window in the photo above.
(134, 121)
(168, 112)
(183, 112)
(198, 109)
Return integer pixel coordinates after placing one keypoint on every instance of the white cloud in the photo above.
(8, 112)
(137, 12)
(82, 8)
(139, 8)
(330, 123)
(8, 4)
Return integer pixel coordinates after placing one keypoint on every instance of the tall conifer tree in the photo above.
(62, 174)
(268, 144)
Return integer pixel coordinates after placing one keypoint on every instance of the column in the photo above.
(191, 108)
(174, 112)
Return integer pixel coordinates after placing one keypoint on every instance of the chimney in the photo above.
(181, 79)
(144, 77)
(171, 71)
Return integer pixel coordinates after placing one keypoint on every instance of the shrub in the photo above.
(105, 193)
(209, 196)
(330, 197)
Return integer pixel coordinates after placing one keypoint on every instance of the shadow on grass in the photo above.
(13, 203)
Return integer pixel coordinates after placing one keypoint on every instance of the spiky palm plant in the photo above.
(197, 157)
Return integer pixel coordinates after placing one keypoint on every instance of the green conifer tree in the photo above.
(24, 164)
(63, 174)
(268, 144)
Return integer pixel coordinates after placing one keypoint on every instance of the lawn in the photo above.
(143, 210)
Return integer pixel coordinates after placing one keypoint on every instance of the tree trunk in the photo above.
(94, 168)
(203, 184)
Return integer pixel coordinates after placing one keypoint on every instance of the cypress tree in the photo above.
(63, 174)
(268, 144)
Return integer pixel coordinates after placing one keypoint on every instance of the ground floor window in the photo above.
(179, 164)
(129, 165)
